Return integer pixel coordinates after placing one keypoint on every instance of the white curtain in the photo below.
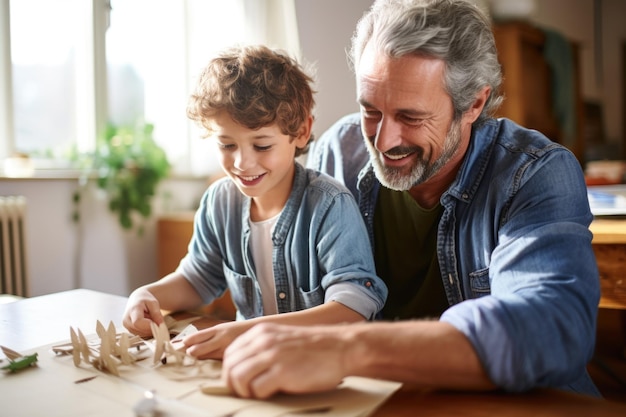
(214, 24)
(273, 22)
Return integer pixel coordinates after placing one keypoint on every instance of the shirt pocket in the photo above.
(243, 292)
(479, 283)
(308, 299)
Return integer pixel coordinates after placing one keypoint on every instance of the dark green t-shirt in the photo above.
(405, 253)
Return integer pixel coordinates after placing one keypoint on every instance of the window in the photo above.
(120, 61)
(44, 73)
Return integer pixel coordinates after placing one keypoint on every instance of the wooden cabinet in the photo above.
(609, 245)
(527, 85)
(173, 235)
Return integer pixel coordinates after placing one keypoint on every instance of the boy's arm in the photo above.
(328, 313)
(171, 293)
(211, 342)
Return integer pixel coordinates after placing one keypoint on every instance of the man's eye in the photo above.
(370, 114)
(412, 120)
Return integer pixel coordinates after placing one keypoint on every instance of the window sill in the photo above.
(76, 174)
(47, 174)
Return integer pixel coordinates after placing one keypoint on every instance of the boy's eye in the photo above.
(262, 148)
(226, 146)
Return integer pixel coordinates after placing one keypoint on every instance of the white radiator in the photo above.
(13, 273)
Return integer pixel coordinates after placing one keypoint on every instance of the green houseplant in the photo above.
(128, 165)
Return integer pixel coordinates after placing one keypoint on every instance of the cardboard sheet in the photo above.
(50, 389)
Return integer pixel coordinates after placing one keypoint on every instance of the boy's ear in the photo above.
(304, 133)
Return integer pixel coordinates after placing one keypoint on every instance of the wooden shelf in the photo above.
(527, 85)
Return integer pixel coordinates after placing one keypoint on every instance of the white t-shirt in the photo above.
(261, 247)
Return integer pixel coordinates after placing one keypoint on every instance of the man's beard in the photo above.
(398, 178)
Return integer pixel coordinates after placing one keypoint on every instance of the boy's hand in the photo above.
(210, 343)
(141, 309)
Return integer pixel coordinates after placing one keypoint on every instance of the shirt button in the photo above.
(368, 284)
(282, 295)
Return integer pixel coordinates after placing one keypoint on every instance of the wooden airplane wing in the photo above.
(11, 354)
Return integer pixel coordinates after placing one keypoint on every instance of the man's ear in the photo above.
(479, 103)
(304, 133)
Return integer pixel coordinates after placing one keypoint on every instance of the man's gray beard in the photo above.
(396, 179)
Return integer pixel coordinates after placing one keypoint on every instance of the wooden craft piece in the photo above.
(75, 346)
(122, 349)
(160, 335)
(17, 361)
(177, 327)
(112, 351)
(83, 347)
(10, 353)
(100, 331)
(216, 389)
(104, 361)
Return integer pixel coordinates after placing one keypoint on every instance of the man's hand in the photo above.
(273, 358)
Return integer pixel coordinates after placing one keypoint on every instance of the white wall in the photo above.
(98, 255)
(325, 29)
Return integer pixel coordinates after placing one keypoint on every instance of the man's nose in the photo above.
(388, 135)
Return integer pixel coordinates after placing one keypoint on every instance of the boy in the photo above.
(288, 242)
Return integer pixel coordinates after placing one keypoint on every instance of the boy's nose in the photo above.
(243, 160)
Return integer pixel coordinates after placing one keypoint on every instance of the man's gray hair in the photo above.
(455, 31)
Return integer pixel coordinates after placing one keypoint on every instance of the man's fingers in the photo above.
(242, 373)
(250, 362)
(265, 384)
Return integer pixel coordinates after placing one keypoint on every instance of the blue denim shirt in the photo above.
(321, 252)
(514, 250)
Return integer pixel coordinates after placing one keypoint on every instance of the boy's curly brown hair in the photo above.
(257, 86)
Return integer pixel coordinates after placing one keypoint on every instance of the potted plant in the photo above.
(128, 165)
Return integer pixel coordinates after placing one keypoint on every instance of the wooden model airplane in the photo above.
(17, 361)
(113, 350)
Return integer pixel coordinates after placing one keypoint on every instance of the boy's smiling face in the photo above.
(260, 162)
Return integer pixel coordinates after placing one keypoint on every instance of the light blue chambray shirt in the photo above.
(514, 250)
(321, 251)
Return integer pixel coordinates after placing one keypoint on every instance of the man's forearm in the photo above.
(421, 353)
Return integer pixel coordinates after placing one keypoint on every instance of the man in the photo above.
(479, 222)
